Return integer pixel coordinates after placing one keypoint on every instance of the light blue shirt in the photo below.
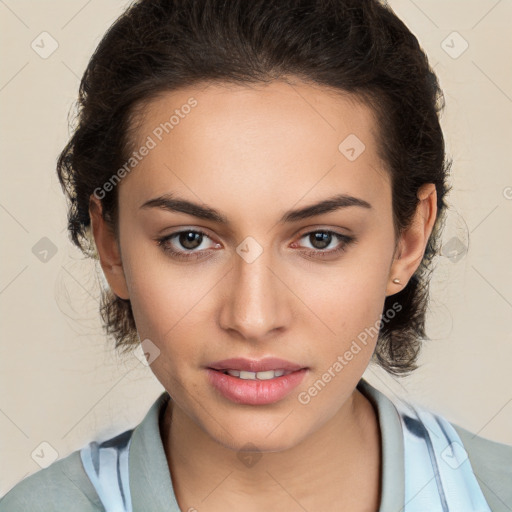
(463, 472)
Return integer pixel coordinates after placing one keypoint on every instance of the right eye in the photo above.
(188, 241)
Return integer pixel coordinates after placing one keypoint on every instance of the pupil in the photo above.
(322, 237)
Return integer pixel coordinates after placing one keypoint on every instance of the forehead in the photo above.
(281, 140)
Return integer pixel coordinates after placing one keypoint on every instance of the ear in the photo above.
(413, 241)
(108, 250)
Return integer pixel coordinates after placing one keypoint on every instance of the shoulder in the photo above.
(492, 466)
(63, 485)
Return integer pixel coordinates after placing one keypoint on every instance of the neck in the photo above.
(335, 468)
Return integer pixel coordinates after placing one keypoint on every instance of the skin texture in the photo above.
(254, 152)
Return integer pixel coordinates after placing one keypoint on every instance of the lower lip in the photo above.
(255, 392)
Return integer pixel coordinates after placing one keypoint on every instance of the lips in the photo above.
(254, 391)
(252, 365)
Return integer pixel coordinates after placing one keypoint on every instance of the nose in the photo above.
(256, 304)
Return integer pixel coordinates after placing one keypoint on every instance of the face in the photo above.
(252, 271)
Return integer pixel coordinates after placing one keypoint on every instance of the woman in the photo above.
(264, 184)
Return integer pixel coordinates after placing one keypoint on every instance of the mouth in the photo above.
(255, 382)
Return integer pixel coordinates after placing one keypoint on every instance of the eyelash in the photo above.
(312, 253)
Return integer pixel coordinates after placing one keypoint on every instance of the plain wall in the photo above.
(60, 379)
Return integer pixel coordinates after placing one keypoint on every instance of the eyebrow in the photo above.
(168, 202)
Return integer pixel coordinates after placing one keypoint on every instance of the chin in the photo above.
(247, 437)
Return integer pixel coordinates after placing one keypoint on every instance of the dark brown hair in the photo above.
(355, 46)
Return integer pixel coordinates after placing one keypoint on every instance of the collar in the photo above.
(392, 447)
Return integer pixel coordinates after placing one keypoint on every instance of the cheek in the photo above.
(170, 304)
(348, 297)
(161, 304)
(165, 313)
(157, 290)
(349, 307)
(349, 328)
(345, 307)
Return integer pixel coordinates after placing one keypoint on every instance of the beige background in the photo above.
(60, 380)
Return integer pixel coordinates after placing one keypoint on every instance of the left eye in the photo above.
(191, 240)
(322, 239)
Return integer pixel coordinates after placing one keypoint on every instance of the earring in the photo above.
(396, 280)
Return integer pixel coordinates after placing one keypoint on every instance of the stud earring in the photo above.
(396, 280)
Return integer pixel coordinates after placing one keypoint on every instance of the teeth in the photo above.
(270, 374)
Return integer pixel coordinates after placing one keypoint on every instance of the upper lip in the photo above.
(252, 365)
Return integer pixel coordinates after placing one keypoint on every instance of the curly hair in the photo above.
(355, 46)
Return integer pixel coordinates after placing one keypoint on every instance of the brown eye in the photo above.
(320, 240)
(190, 239)
(186, 244)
